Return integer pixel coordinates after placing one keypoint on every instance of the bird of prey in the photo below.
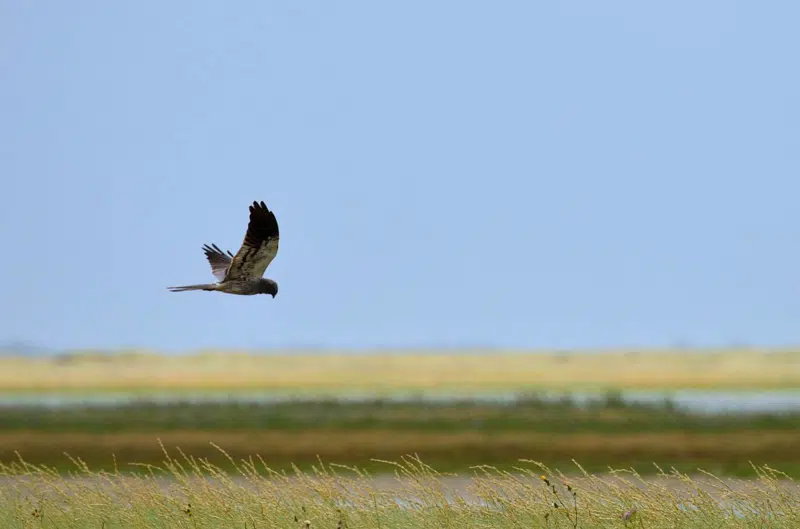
(242, 273)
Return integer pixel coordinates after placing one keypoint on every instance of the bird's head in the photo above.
(268, 286)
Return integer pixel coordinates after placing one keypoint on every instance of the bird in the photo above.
(241, 274)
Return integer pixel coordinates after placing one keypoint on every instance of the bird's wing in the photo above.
(218, 260)
(259, 247)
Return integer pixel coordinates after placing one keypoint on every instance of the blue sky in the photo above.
(508, 174)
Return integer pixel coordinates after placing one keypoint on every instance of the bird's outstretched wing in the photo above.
(218, 260)
(259, 247)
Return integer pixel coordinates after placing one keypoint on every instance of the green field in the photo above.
(254, 465)
(453, 436)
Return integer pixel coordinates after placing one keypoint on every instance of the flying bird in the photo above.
(242, 273)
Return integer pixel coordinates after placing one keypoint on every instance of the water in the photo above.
(689, 400)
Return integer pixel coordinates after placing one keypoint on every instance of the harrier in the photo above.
(242, 273)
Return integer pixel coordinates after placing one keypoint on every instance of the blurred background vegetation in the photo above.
(719, 410)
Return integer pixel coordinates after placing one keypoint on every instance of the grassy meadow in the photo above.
(309, 372)
(193, 493)
(239, 463)
(452, 436)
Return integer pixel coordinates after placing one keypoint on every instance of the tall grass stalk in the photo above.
(187, 492)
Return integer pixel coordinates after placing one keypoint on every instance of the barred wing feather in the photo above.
(259, 248)
(218, 260)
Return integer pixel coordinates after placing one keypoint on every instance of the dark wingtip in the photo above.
(263, 224)
(213, 249)
(258, 205)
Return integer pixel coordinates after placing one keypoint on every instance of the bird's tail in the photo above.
(208, 286)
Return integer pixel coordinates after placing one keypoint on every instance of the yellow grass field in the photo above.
(193, 492)
(743, 369)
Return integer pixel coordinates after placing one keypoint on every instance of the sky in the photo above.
(445, 174)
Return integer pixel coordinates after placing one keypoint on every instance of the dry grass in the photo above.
(192, 493)
(731, 369)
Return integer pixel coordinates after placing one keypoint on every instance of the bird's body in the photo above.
(241, 274)
(242, 288)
